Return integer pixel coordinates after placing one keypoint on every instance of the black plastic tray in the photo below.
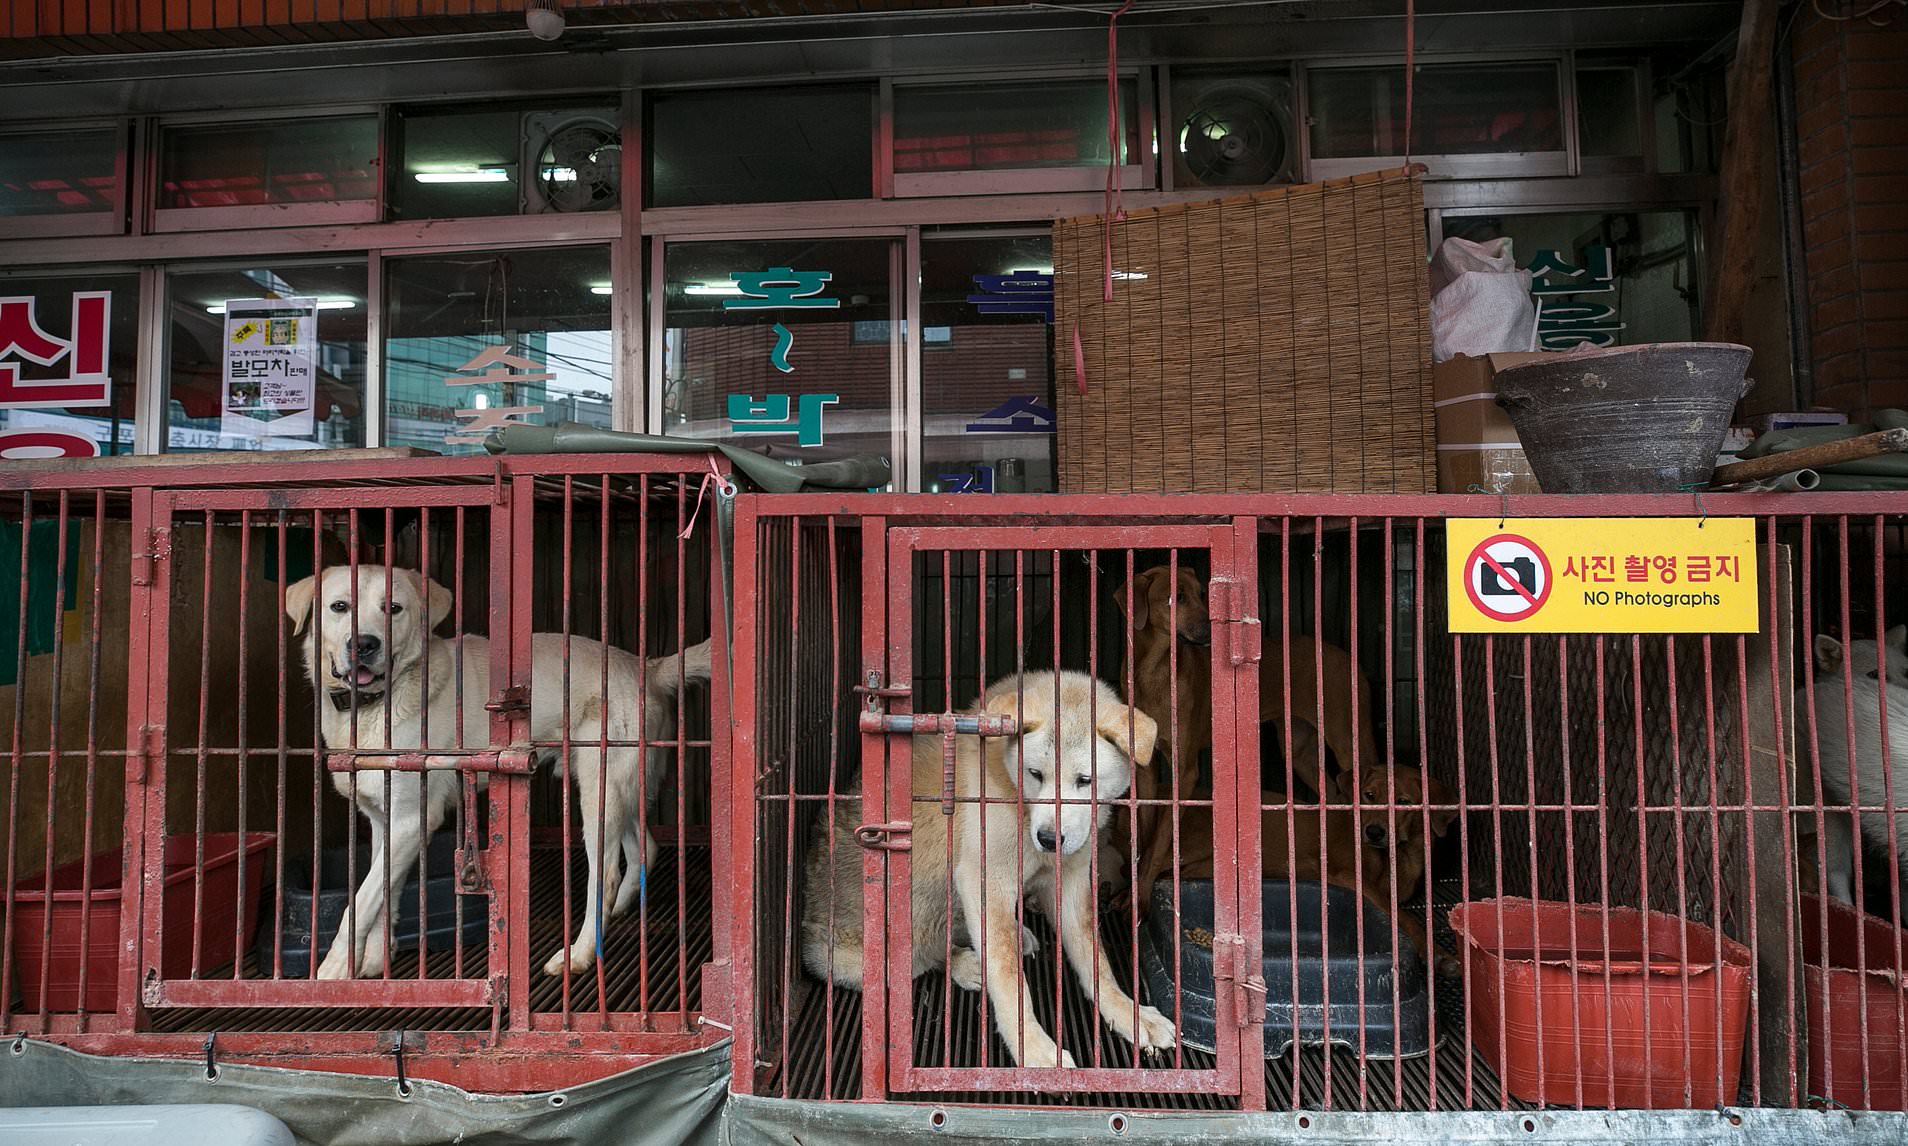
(440, 903)
(1400, 1031)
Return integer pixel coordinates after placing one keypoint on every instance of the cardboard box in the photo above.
(1465, 399)
(1493, 469)
(1477, 442)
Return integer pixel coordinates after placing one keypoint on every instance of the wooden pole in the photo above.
(1812, 457)
(1733, 270)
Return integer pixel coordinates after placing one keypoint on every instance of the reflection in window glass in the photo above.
(110, 426)
(987, 388)
(760, 145)
(269, 162)
(1608, 118)
(1459, 109)
(723, 353)
(195, 376)
(464, 164)
(997, 126)
(1635, 274)
(59, 173)
(533, 325)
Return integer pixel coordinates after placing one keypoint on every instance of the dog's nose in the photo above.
(1375, 835)
(365, 646)
(1046, 838)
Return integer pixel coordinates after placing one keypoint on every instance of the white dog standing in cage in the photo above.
(1873, 700)
(1021, 776)
(356, 661)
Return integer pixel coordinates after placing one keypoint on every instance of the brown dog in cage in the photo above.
(1042, 823)
(369, 658)
(1367, 843)
(1172, 640)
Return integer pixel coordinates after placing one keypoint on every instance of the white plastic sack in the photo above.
(1484, 306)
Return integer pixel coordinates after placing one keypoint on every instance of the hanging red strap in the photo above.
(1411, 72)
(1113, 208)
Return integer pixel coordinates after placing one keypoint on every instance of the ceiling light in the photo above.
(713, 288)
(474, 175)
(560, 174)
(602, 288)
(323, 304)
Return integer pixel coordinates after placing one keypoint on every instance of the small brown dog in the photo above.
(1386, 835)
(1162, 620)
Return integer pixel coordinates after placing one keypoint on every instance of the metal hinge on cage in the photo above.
(1229, 971)
(158, 547)
(1229, 608)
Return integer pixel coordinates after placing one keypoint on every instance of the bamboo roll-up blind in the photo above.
(1271, 342)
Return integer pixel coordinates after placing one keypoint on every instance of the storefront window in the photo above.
(1002, 126)
(1601, 279)
(276, 168)
(63, 173)
(81, 402)
(214, 401)
(760, 145)
(987, 386)
(505, 161)
(479, 340)
(1477, 109)
(760, 345)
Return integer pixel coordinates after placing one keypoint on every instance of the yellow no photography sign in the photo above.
(1601, 575)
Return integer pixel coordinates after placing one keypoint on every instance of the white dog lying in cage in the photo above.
(383, 669)
(1873, 699)
(1021, 777)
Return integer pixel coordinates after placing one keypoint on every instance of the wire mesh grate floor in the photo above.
(824, 1051)
(646, 968)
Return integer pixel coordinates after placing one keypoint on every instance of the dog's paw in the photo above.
(1043, 1052)
(335, 965)
(1029, 942)
(580, 961)
(965, 969)
(1156, 1031)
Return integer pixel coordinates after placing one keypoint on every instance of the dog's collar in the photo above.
(341, 698)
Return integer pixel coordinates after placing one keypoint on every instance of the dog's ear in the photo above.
(1828, 654)
(1008, 704)
(298, 597)
(437, 599)
(1114, 724)
(1139, 615)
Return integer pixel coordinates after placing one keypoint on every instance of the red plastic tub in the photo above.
(1641, 1046)
(1854, 940)
(219, 925)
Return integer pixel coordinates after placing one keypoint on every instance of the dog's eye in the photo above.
(1872, 675)
(340, 607)
(1082, 780)
(395, 608)
(1036, 777)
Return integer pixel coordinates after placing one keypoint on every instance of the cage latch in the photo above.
(890, 837)
(470, 846)
(1229, 970)
(514, 699)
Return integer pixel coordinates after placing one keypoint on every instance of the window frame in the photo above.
(263, 216)
(1141, 176)
(1500, 165)
(83, 223)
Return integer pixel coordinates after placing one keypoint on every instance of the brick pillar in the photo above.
(1851, 92)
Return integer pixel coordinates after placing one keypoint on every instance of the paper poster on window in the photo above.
(270, 365)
